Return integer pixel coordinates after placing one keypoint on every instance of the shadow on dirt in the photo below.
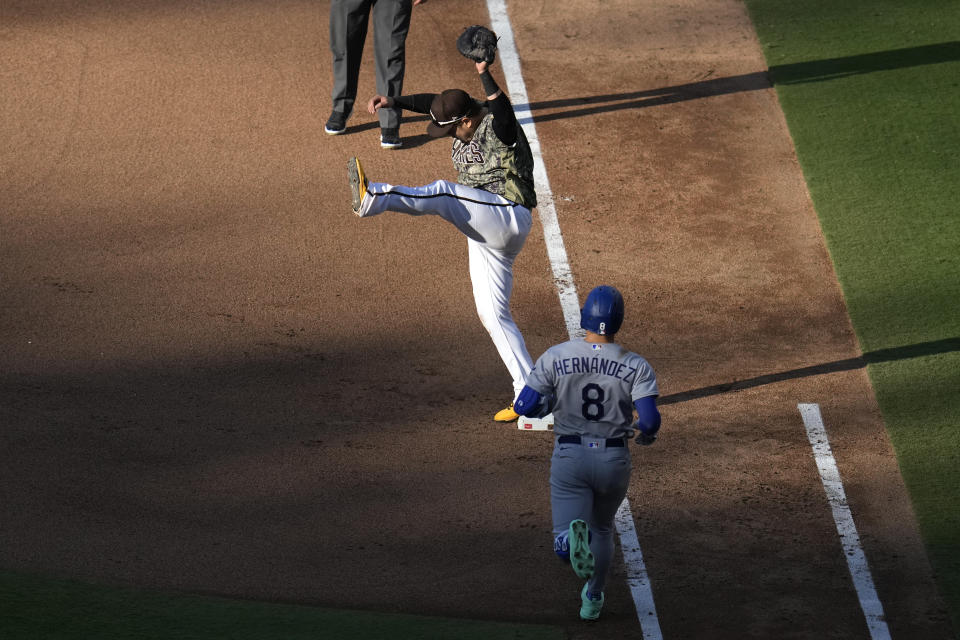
(871, 357)
(794, 73)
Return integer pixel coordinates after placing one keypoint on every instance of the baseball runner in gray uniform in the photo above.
(490, 203)
(592, 385)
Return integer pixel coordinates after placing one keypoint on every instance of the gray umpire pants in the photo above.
(348, 31)
(590, 483)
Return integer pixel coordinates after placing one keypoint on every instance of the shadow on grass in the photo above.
(871, 357)
(833, 68)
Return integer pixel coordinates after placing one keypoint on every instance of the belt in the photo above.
(611, 442)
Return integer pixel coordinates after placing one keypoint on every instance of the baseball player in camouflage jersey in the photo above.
(490, 203)
(592, 385)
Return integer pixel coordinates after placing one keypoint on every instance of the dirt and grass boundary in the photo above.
(870, 93)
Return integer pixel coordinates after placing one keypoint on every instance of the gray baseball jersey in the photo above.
(594, 386)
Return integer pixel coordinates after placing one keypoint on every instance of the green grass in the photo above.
(871, 93)
(33, 607)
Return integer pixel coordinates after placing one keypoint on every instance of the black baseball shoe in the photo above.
(336, 124)
(390, 139)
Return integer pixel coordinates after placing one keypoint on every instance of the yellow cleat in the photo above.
(506, 415)
(358, 183)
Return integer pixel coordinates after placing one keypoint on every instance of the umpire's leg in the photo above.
(348, 30)
(391, 23)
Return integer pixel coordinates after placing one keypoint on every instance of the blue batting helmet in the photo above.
(602, 313)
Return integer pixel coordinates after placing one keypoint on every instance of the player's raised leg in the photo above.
(482, 216)
(358, 184)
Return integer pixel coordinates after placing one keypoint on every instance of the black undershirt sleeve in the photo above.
(418, 102)
(504, 119)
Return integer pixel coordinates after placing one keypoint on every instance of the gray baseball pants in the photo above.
(348, 31)
(590, 483)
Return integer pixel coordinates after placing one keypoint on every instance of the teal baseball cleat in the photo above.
(581, 558)
(590, 604)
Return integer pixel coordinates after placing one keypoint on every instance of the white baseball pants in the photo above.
(496, 230)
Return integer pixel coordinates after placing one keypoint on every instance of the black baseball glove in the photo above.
(645, 439)
(478, 43)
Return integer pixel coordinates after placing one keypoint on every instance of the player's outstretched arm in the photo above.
(504, 119)
(418, 103)
(482, 67)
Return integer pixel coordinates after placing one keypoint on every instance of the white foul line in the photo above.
(563, 278)
(637, 577)
(510, 60)
(856, 559)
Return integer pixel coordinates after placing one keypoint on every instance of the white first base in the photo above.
(535, 424)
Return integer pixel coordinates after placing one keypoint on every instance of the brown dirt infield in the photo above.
(215, 379)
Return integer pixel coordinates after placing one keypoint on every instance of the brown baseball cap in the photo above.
(448, 109)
